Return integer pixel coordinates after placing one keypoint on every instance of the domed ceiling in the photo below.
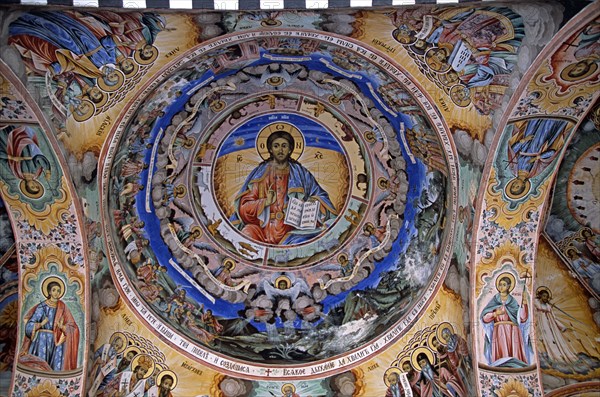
(326, 264)
(397, 201)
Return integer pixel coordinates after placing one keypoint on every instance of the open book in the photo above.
(302, 214)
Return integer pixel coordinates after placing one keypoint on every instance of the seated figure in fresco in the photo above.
(211, 323)
(198, 329)
(177, 304)
(262, 202)
(57, 43)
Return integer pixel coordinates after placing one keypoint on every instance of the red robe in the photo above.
(252, 204)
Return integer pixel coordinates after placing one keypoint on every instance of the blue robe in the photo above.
(64, 32)
(43, 341)
(533, 149)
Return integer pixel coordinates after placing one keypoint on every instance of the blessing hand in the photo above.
(271, 196)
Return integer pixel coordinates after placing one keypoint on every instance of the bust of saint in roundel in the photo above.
(281, 202)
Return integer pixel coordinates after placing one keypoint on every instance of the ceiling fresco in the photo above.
(395, 201)
(304, 253)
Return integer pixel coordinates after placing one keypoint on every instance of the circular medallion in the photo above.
(290, 182)
(583, 189)
(274, 225)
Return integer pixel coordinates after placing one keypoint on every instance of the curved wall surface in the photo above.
(394, 201)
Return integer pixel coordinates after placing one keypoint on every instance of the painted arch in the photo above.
(424, 216)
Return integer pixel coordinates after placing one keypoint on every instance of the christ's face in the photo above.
(280, 150)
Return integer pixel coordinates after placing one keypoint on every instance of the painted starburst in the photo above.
(8, 317)
(513, 388)
(44, 389)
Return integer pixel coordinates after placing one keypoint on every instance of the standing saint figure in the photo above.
(505, 323)
(412, 375)
(262, 202)
(51, 340)
(550, 330)
(458, 353)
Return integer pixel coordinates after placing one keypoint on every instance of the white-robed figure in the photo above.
(133, 382)
(551, 330)
(105, 361)
(262, 202)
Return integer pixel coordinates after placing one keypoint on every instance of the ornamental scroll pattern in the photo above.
(49, 248)
(514, 195)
